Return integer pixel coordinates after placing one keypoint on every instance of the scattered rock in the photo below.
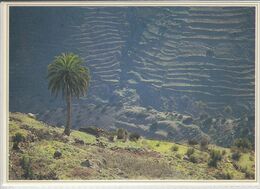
(185, 157)
(31, 115)
(79, 141)
(86, 163)
(57, 154)
(65, 138)
(119, 172)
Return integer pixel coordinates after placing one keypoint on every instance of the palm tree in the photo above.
(69, 77)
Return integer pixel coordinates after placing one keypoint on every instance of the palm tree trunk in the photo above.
(68, 124)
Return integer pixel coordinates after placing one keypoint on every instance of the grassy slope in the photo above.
(144, 159)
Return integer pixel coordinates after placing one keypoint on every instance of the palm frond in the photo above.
(67, 75)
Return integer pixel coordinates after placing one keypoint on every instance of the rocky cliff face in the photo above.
(193, 60)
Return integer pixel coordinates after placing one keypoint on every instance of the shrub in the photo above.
(224, 176)
(175, 148)
(122, 133)
(224, 152)
(134, 137)
(26, 165)
(215, 156)
(236, 155)
(193, 159)
(243, 143)
(111, 138)
(178, 156)
(17, 138)
(204, 143)
(158, 144)
(49, 176)
(190, 151)
(192, 142)
(249, 175)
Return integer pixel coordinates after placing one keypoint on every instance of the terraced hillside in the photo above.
(206, 54)
(196, 61)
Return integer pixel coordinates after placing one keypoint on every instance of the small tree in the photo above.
(174, 148)
(243, 143)
(190, 151)
(27, 168)
(215, 157)
(192, 142)
(122, 134)
(18, 137)
(69, 77)
(236, 155)
(204, 143)
(134, 137)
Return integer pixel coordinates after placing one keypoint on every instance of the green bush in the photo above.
(17, 138)
(249, 175)
(236, 156)
(190, 151)
(193, 159)
(215, 157)
(204, 143)
(224, 176)
(26, 165)
(134, 137)
(174, 148)
(178, 156)
(192, 142)
(243, 143)
(122, 134)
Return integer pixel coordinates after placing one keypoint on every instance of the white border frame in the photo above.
(4, 99)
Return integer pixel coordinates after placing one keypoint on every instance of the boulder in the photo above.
(86, 163)
(31, 115)
(57, 154)
(185, 157)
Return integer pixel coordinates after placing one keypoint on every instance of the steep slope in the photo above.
(40, 151)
